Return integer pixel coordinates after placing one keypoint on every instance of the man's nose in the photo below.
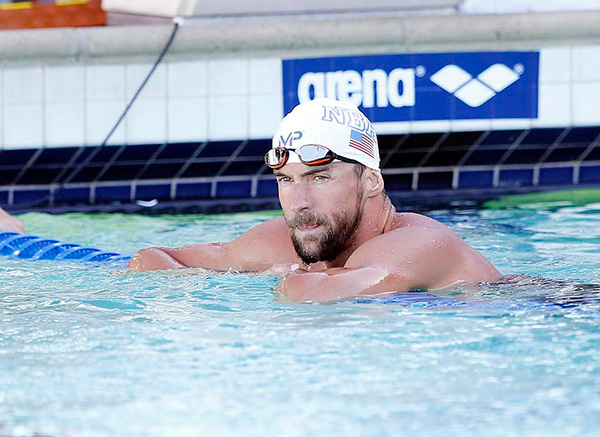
(301, 198)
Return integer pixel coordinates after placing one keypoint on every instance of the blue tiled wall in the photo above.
(113, 193)
(476, 179)
(238, 188)
(556, 175)
(266, 188)
(200, 190)
(518, 177)
(235, 169)
(155, 191)
(73, 195)
(30, 196)
(589, 175)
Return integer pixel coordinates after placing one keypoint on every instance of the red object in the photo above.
(62, 13)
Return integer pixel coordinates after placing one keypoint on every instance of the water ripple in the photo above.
(102, 352)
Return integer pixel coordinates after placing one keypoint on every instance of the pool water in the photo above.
(96, 351)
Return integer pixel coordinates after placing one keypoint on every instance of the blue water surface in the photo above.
(96, 351)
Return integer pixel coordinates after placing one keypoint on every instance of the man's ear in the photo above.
(374, 182)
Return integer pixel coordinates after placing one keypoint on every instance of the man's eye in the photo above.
(320, 178)
(283, 179)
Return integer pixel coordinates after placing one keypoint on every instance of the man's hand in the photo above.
(9, 223)
(283, 269)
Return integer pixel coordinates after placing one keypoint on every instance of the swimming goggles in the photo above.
(309, 154)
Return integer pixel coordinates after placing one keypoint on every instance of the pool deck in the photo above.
(302, 34)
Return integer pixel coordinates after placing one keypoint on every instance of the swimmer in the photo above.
(340, 235)
(9, 223)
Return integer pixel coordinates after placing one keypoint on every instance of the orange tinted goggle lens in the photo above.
(310, 154)
(276, 158)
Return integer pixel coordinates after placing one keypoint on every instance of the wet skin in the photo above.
(383, 250)
(9, 223)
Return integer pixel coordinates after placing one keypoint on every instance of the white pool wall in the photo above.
(202, 8)
(222, 79)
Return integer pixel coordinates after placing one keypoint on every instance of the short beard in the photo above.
(330, 245)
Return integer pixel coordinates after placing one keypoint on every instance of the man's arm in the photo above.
(401, 260)
(9, 223)
(339, 283)
(256, 250)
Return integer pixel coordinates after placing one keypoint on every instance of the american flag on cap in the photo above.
(361, 141)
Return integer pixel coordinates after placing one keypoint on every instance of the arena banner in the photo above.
(419, 87)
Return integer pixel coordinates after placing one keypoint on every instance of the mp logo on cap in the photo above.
(288, 141)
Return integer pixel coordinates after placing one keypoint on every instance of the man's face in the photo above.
(322, 206)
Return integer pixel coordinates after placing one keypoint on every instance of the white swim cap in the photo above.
(339, 126)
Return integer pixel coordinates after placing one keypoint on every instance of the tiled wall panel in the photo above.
(23, 85)
(586, 103)
(187, 119)
(23, 125)
(586, 64)
(105, 83)
(555, 65)
(223, 99)
(147, 122)
(65, 123)
(228, 117)
(187, 79)
(265, 76)
(100, 117)
(555, 105)
(64, 84)
(228, 78)
(156, 88)
(265, 113)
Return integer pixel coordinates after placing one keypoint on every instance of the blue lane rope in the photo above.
(39, 248)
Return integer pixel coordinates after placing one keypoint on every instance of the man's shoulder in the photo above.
(411, 232)
(412, 240)
(276, 225)
(273, 232)
(408, 220)
(416, 232)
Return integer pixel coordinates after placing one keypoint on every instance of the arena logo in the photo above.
(437, 86)
(476, 91)
(369, 89)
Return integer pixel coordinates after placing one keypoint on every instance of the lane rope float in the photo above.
(39, 248)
